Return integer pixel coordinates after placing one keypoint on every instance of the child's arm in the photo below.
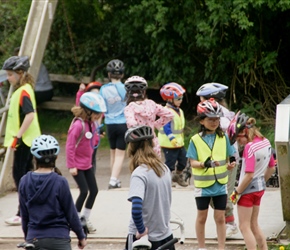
(80, 93)
(165, 116)
(130, 116)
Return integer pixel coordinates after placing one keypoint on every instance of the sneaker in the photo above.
(117, 185)
(91, 228)
(14, 221)
(231, 230)
(179, 179)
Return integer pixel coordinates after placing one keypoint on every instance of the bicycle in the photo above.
(144, 244)
(26, 245)
(30, 246)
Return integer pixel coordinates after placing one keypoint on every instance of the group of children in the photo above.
(131, 118)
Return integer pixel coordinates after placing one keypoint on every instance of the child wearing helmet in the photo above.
(150, 190)
(79, 150)
(93, 87)
(170, 136)
(218, 92)
(114, 95)
(46, 204)
(22, 120)
(211, 155)
(143, 111)
(258, 164)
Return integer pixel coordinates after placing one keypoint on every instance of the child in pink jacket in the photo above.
(143, 111)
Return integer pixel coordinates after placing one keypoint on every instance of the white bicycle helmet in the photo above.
(17, 63)
(138, 133)
(44, 147)
(115, 67)
(93, 102)
(212, 90)
(135, 83)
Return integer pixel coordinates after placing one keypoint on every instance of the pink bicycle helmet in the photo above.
(237, 125)
(209, 108)
(171, 90)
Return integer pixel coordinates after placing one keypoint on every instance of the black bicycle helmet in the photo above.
(135, 83)
(212, 90)
(138, 133)
(45, 147)
(17, 63)
(237, 125)
(115, 67)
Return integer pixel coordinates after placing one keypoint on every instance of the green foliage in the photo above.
(243, 44)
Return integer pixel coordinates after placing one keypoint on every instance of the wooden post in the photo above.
(282, 138)
(33, 44)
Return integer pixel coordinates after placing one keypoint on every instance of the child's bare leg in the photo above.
(258, 233)
(219, 217)
(200, 227)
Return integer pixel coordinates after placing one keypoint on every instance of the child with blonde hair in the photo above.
(22, 120)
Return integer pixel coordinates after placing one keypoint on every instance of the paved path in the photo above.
(111, 214)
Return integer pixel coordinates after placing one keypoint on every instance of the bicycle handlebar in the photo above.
(168, 244)
(26, 245)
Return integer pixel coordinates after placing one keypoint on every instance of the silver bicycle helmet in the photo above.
(138, 133)
(17, 63)
(135, 83)
(209, 108)
(93, 102)
(115, 67)
(44, 146)
(212, 90)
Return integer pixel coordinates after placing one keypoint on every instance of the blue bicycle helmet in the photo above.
(93, 102)
(44, 147)
(212, 90)
(17, 63)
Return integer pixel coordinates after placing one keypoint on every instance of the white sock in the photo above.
(113, 181)
(87, 212)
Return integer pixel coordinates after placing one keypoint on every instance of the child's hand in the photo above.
(73, 171)
(82, 87)
(231, 165)
(174, 142)
(234, 197)
(138, 235)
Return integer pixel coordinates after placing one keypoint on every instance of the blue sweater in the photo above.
(47, 209)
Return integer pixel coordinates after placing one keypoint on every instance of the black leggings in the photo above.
(22, 162)
(86, 181)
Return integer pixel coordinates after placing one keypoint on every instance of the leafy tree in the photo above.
(243, 44)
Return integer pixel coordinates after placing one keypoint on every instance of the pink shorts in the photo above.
(252, 199)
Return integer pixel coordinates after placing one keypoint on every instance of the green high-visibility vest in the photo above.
(177, 127)
(203, 178)
(13, 118)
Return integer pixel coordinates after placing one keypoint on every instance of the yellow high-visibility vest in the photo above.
(177, 127)
(203, 178)
(13, 118)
